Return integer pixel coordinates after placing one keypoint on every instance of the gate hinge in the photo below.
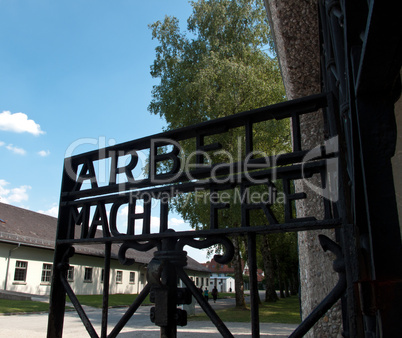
(375, 295)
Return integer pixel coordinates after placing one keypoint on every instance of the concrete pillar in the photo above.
(294, 25)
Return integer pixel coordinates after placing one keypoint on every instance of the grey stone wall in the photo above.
(295, 28)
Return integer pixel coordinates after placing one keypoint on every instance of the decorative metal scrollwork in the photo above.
(208, 242)
(123, 259)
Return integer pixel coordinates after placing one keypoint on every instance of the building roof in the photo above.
(218, 268)
(215, 267)
(34, 229)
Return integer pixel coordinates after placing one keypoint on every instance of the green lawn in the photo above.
(122, 299)
(114, 300)
(286, 311)
(226, 295)
(13, 306)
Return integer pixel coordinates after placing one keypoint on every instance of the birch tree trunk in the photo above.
(270, 293)
(238, 271)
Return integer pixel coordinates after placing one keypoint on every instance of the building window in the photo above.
(102, 275)
(119, 277)
(20, 274)
(70, 274)
(88, 275)
(132, 277)
(206, 281)
(46, 273)
(196, 281)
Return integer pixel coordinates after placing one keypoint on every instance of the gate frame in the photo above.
(361, 58)
(170, 258)
(361, 80)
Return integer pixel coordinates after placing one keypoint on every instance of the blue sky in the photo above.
(72, 71)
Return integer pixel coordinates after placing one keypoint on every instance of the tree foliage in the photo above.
(223, 64)
(221, 69)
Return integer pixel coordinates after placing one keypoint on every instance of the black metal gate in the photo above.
(361, 59)
(351, 114)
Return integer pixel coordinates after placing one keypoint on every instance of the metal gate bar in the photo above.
(254, 297)
(80, 311)
(336, 293)
(75, 205)
(131, 310)
(106, 282)
(224, 331)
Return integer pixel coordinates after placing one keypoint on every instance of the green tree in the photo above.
(221, 70)
(219, 67)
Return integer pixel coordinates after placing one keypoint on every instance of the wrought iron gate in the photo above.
(170, 259)
(361, 58)
(84, 201)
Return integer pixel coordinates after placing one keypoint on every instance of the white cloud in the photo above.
(178, 224)
(122, 221)
(19, 194)
(44, 153)
(3, 190)
(13, 195)
(19, 123)
(16, 150)
(176, 221)
(53, 211)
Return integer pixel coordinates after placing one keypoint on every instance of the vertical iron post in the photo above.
(377, 142)
(57, 300)
(106, 282)
(254, 297)
(169, 279)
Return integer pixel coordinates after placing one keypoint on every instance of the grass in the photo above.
(123, 299)
(285, 311)
(15, 306)
(226, 295)
(114, 300)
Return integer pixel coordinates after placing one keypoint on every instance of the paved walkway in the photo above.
(34, 325)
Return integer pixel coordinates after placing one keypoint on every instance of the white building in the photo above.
(222, 276)
(26, 259)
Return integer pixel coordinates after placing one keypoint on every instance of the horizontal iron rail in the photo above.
(290, 171)
(273, 112)
(311, 224)
(244, 119)
(201, 173)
